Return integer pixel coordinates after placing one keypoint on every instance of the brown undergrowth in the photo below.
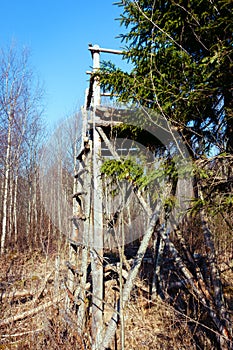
(33, 316)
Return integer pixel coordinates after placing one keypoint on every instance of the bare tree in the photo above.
(19, 103)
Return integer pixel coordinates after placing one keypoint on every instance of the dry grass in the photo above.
(148, 326)
(157, 327)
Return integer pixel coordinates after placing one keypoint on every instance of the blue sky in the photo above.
(57, 33)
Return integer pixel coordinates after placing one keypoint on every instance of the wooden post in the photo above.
(97, 239)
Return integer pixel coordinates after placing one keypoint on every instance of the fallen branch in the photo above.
(22, 334)
(29, 313)
(199, 288)
(16, 295)
(25, 293)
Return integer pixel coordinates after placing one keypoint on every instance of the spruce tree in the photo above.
(181, 53)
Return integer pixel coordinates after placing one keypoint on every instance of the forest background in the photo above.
(180, 56)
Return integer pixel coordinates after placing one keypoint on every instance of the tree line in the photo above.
(25, 223)
(181, 54)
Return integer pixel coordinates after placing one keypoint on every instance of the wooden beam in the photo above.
(101, 122)
(96, 48)
(97, 238)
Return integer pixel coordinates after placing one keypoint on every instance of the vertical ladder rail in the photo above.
(85, 168)
(97, 239)
(89, 182)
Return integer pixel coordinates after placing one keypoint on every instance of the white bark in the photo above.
(15, 209)
(110, 332)
(6, 183)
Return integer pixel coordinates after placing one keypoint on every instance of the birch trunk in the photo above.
(6, 183)
(110, 332)
(15, 209)
(34, 199)
(10, 208)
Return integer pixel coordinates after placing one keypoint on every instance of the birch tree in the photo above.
(19, 100)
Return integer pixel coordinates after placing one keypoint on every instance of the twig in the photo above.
(38, 295)
(17, 295)
(21, 334)
(29, 313)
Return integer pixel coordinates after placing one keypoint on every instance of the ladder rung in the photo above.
(78, 217)
(77, 244)
(79, 173)
(85, 150)
(100, 122)
(80, 193)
